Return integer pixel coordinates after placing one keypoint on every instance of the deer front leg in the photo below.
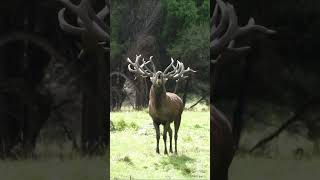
(165, 130)
(170, 135)
(156, 127)
(176, 129)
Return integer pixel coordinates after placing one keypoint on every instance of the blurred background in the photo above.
(42, 92)
(271, 94)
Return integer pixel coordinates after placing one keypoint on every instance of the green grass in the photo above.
(54, 160)
(133, 145)
(54, 169)
(257, 168)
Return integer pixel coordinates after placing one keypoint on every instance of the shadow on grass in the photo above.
(179, 162)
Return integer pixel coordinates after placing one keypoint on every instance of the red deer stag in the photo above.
(164, 107)
(224, 31)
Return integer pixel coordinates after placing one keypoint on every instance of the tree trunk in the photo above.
(141, 94)
(94, 96)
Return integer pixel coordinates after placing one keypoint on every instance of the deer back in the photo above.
(222, 138)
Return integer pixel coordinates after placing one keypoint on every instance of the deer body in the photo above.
(164, 107)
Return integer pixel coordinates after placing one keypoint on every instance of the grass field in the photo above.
(55, 160)
(54, 169)
(255, 168)
(133, 145)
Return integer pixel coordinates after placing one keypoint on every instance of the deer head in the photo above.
(158, 78)
(225, 30)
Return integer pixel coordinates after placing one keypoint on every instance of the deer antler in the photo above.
(141, 70)
(177, 72)
(226, 30)
(88, 21)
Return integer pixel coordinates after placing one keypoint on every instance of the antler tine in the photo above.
(144, 64)
(72, 7)
(153, 66)
(98, 19)
(224, 19)
(87, 19)
(178, 72)
(251, 26)
(165, 71)
(175, 69)
(138, 69)
(219, 44)
(214, 18)
(66, 26)
(103, 13)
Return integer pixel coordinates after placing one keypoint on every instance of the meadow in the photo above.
(54, 160)
(133, 155)
(54, 168)
(259, 168)
(133, 142)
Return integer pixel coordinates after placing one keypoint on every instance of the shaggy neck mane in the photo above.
(157, 95)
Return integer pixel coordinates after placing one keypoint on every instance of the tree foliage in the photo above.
(192, 47)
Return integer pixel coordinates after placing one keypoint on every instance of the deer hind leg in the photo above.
(157, 128)
(176, 129)
(165, 130)
(170, 135)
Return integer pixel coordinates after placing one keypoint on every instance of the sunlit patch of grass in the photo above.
(137, 146)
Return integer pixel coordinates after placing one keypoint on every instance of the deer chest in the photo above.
(161, 115)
